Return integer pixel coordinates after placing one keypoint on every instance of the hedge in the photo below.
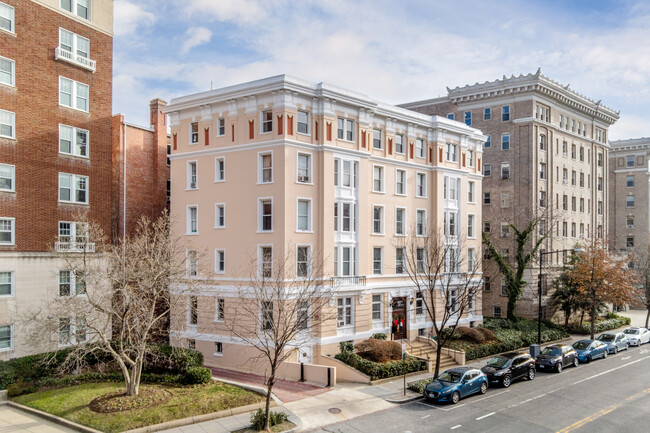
(419, 385)
(604, 325)
(381, 371)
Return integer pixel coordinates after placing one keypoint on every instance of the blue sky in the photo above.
(392, 51)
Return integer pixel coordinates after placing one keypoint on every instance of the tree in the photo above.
(513, 274)
(641, 264)
(567, 297)
(120, 300)
(446, 282)
(602, 278)
(279, 305)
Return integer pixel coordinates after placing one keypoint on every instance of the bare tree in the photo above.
(446, 280)
(279, 305)
(114, 297)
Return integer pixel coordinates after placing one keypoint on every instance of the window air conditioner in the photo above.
(340, 323)
(193, 185)
(303, 178)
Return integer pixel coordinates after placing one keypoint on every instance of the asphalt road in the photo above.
(608, 395)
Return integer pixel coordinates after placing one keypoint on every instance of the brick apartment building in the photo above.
(546, 154)
(55, 149)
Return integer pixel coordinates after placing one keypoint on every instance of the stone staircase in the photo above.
(427, 351)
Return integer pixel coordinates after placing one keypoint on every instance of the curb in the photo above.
(391, 379)
(405, 400)
(52, 418)
(254, 388)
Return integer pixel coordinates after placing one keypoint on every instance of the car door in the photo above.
(565, 358)
(476, 381)
(619, 342)
(465, 387)
(517, 365)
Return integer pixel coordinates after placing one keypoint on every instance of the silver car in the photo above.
(615, 341)
(637, 336)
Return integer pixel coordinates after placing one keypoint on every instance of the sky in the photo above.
(392, 51)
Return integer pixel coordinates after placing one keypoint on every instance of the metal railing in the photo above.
(67, 56)
(352, 280)
(73, 247)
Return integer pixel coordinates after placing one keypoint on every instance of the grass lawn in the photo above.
(72, 403)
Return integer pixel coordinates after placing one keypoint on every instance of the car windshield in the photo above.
(498, 362)
(607, 337)
(581, 345)
(631, 331)
(552, 351)
(450, 376)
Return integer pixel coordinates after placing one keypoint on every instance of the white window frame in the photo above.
(419, 148)
(217, 223)
(381, 260)
(260, 167)
(192, 259)
(221, 124)
(505, 165)
(382, 218)
(471, 191)
(75, 44)
(12, 125)
(74, 95)
(73, 188)
(189, 175)
(471, 260)
(377, 143)
(194, 136)
(404, 184)
(487, 113)
(422, 232)
(12, 177)
(74, 146)
(73, 289)
(342, 305)
(309, 178)
(419, 175)
(188, 221)
(11, 18)
(12, 284)
(11, 338)
(12, 72)
(487, 170)
(220, 317)
(308, 262)
(218, 177)
(503, 141)
(348, 129)
(266, 123)
(73, 331)
(401, 144)
(470, 158)
(404, 219)
(467, 117)
(310, 212)
(260, 262)
(382, 179)
(74, 8)
(306, 123)
(505, 108)
(471, 226)
(377, 323)
(451, 152)
(218, 252)
(260, 214)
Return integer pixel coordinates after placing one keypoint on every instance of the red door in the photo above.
(398, 323)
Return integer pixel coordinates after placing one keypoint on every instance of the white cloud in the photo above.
(128, 17)
(245, 11)
(194, 37)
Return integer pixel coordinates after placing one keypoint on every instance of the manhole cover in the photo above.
(334, 410)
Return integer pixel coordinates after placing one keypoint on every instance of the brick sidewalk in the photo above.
(285, 390)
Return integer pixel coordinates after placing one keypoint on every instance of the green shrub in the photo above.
(346, 346)
(381, 371)
(258, 418)
(419, 385)
(379, 336)
(379, 350)
(612, 322)
(197, 376)
(174, 360)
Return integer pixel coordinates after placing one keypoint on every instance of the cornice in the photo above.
(642, 143)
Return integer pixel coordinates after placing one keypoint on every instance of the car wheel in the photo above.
(531, 373)
(558, 367)
(483, 388)
(575, 362)
(605, 354)
(615, 350)
(506, 381)
(455, 397)
(589, 359)
(627, 346)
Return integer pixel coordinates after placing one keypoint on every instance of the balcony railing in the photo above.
(73, 247)
(353, 280)
(75, 59)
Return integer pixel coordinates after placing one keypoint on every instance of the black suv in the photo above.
(556, 357)
(505, 368)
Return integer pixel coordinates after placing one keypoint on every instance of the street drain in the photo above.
(334, 410)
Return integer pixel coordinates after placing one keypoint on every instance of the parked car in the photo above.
(615, 341)
(556, 357)
(505, 368)
(456, 383)
(637, 336)
(589, 350)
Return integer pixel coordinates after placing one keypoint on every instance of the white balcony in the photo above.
(74, 247)
(67, 56)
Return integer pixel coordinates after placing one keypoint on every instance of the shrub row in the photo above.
(418, 386)
(602, 326)
(381, 371)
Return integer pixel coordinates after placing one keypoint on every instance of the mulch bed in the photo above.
(120, 402)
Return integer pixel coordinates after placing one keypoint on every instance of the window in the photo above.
(220, 310)
(505, 170)
(565, 229)
(505, 142)
(471, 260)
(303, 122)
(265, 215)
(302, 261)
(377, 305)
(542, 142)
(73, 188)
(80, 8)
(344, 217)
(486, 284)
(470, 158)
(6, 331)
(169, 152)
(600, 160)
(582, 180)
(599, 205)
(304, 215)
(421, 185)
(221, 127)
(468, 118)
(505, 113)
(6, 20)
(266, 260)
(7, 71)
(343, 312)
(573, 177)
(7, 177)
(192, 175)
(419, 304)
(565, 175)
(192, 220)
(193, 311)
(65, 332)
(74, 44)
(542, 198)
(376, 139)
(487, 227)
(582, 230)
(194, 133)
(378, 220)
(505, 200)
(73, 141)
(267, 121)
(400, 182)
(400, 260)
(505, 230)
(420, 260)
(265, 165)
(450, 116)
(629, 182)
(629, 222)
(400, 221)
(565, 202)
(377, 261)
(347, 177)
(6, 284)
(378, 178)
(71, 283)
(218, 348)
(7, 124)
(486, 198)
(302, 315)
(450, 223)
(573, 230)
(220, 169)
(629, 201)
(348, 262)
(471, 186)
(421, 222)
(542, 171)
(399, 143)
(629, 161)
(73, 94)
(582, 154)
(497, 311)
(471, 226)
(169, 190)
(487, 114)
(451, 152)
(220, 261)
(487, 169)
(73, 235)
(419, 147)
(582, 205)
(304, 167)
(192, 263)
(345, 129)
(488, 142)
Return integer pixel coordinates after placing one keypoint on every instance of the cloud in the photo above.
(194, 37)
(245, 11)
(128, 17)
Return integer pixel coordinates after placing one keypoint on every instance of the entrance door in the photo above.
(398, 324)
(305, 354)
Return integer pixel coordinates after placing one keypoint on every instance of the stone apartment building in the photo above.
(546, 155)
(282, 167)
(55, 151)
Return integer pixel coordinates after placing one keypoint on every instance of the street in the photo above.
(604, 396)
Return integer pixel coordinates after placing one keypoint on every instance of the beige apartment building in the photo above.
(629, 228)
(546, 155)
(282, 167)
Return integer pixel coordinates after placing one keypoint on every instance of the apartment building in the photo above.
(282, 167)
(55, 153)
(629, 172)
(546, 155)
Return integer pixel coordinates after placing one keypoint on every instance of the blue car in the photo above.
(615, 341)
(456, 383)
(589, 350)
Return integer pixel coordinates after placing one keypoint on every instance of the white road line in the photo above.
(425, 416)
(491, 395)
(610, 370)
(440, 408)
(485, 416)
(455, 427)
(627, 357)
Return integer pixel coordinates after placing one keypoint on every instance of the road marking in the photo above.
(425, 416)
(455, 427)
(627, 357)
(491, 395)
(485, 416)
(610, 370)
(641, 352)
(439, 408)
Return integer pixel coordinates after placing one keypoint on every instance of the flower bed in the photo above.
(378, 370)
